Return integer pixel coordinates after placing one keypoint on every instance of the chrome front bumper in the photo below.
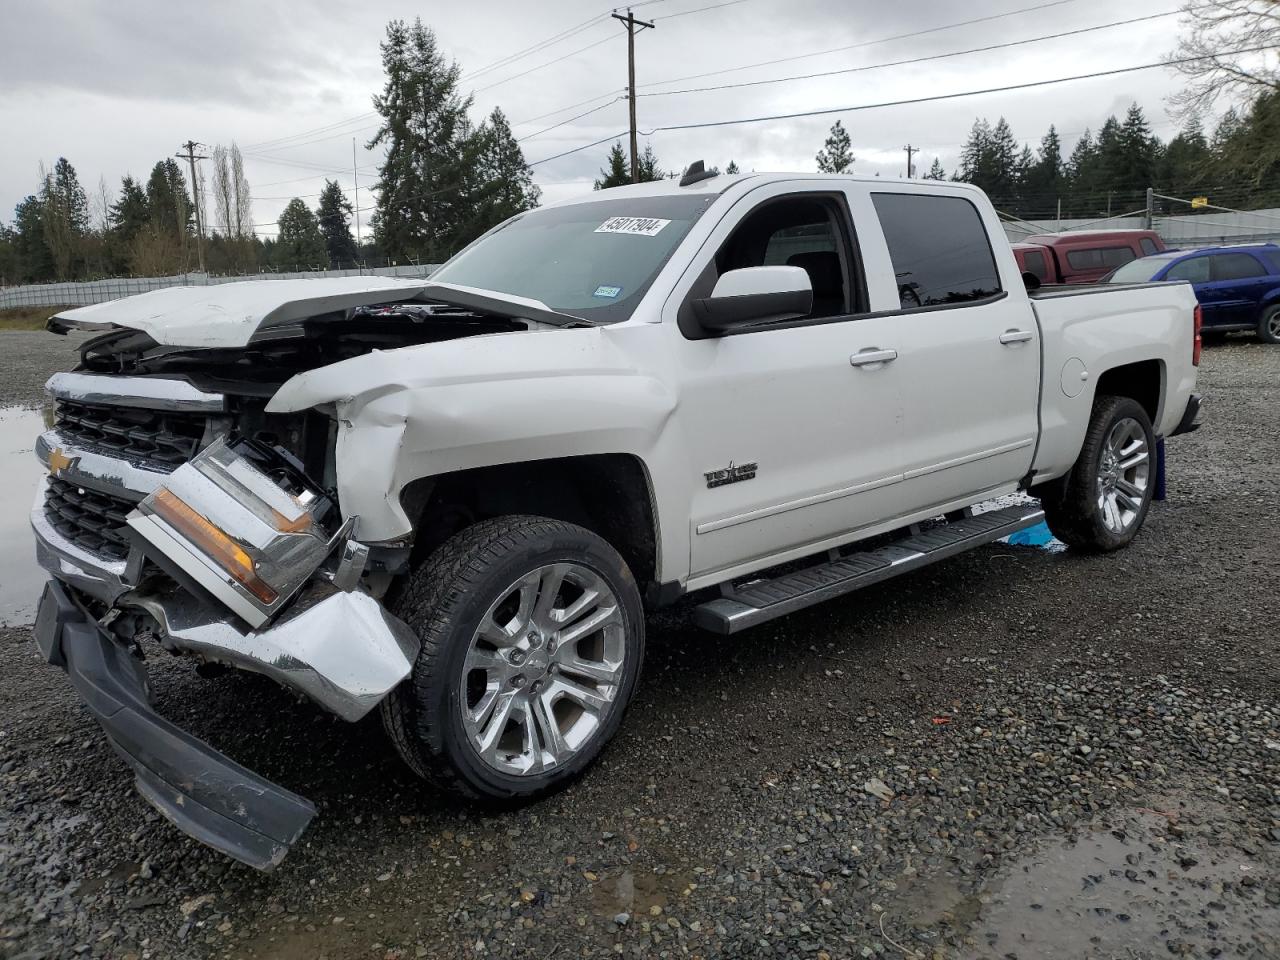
(342, 649)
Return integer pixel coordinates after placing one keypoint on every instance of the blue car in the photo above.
(1238, 287)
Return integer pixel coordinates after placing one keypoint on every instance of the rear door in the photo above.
(968, 350)
(1237, 283)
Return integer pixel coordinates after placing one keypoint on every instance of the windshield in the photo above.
(1138, 271)
(593, 260)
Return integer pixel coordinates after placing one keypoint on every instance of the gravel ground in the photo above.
(28, 358)
(1080, 758)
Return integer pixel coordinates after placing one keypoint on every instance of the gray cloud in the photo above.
(116, 87)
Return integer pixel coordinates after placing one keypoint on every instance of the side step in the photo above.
(762, 600)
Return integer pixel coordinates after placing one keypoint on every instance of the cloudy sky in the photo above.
(115, 87)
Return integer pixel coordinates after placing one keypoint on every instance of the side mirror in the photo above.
(1030, 280)
(755, 295)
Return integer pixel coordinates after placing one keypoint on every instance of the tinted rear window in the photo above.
(1148, 245)
(1235, 266)
(1097, 258)
(939, 249)
(1193, 269)
(1273, 259)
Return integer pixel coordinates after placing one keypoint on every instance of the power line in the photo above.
(912, 60)
(549, 63)
(865, 43)
(306, 133)
(586, 113)
(950, 96)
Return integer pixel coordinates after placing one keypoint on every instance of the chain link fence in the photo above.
(82, 293)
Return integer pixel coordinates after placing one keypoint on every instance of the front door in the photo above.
(793, 445)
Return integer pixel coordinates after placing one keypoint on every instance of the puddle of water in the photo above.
(1123, 887)
(20, 579)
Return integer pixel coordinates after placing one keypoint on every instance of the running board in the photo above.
(763, 600)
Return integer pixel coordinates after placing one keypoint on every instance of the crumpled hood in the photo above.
(228, 315)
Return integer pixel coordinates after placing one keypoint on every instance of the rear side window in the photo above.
(1148, 246)
(1097, 258)
(1034, 261)
(939, 249)
(1195, 270)
(1273, 259)
(1235, 266)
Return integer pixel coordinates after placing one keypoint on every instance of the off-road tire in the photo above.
(443, 600)
(1269, 325)
(1072, 509)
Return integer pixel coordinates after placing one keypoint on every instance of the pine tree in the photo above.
(65, 208)
(421, 209)
(615, 173)
(334, 218)
(935, 171)
(1003, 162)
(299, 242)
(1045, 179)
(128, 214)
(836, 155)
(1186, 161)
(648, 168)
(168, 203)
(504, 184)
(731, 168)
(1136, 153)
(34, 261)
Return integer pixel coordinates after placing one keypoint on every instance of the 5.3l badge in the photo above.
(731, 474)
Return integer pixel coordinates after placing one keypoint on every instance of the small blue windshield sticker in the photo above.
(607, 292)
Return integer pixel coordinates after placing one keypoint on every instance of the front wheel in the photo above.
(1269, 325)
(532, 640)
(1106, 497)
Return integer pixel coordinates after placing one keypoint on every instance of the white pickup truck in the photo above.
(453, 499)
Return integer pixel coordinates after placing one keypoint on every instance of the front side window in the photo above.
(1235, 266)
(593, 260)
(797, 232)
(1138, 271)
(1193, 269)
(939, 249)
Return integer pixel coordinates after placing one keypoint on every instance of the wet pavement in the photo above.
(20, 578)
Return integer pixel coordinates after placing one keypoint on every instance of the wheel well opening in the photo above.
(1142, 381)
(608, 494)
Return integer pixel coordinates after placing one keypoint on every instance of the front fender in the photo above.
(508, 398)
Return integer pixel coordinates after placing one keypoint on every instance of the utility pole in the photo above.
(191, 157)
(910, 151)
(632, 23)
(355, 179)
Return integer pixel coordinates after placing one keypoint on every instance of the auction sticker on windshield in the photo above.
(636, 226)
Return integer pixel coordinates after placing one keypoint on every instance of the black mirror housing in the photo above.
(722, 315)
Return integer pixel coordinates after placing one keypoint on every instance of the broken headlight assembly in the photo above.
(244, 523)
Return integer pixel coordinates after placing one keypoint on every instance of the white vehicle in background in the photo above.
(452, 499)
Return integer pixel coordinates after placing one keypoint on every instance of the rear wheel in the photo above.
(1106, 497)
(1269, 325)
(532, 640)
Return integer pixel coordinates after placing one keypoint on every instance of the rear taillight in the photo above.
(1198, 341)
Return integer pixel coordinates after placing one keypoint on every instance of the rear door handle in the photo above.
(1015, 336)
(872, 355)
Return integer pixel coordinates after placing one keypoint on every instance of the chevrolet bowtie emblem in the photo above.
(59, 461)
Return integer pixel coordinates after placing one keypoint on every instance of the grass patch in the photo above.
(27, 318)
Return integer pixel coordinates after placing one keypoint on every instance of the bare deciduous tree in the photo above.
(1215, 30)
(223, 202)
(240, 192)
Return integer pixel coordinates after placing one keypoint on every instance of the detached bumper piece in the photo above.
(204, 794)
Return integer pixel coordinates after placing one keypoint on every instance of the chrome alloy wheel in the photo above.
(543, 669)
(1273, 324)
(1123, 474)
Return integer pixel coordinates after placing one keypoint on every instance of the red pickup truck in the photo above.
(1083, 257)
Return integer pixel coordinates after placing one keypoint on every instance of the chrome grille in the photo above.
(93, 520)
(158, 439)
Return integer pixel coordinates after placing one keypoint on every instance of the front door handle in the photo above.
(1015, 336)
(872, 355)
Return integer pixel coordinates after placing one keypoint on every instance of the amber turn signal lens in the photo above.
(217, 545)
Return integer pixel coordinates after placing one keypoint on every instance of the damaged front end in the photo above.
(235, 556)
